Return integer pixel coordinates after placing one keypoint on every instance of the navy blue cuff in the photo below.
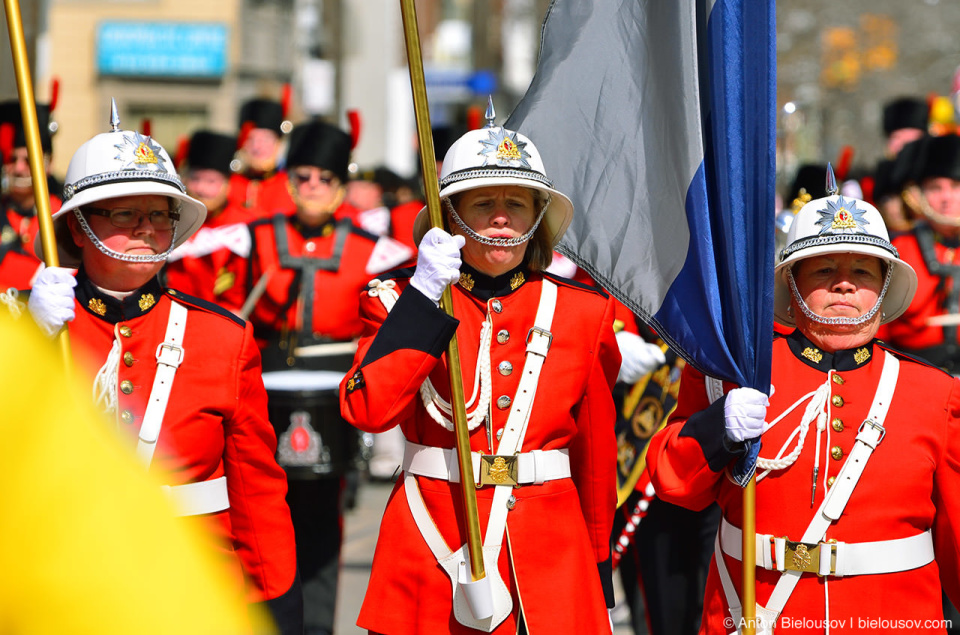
(708, 429)
(605, 569)
(414, 323)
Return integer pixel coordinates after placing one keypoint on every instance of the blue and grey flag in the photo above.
(657, 118)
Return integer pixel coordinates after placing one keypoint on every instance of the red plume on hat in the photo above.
(844, 162)
(54, 94)
(286, 96)
(6, 140)
(353, 116)
(473, 117)
(145, 127)
(183, 149)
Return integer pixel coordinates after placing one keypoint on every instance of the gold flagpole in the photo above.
(749, 550)
(432, 191)
(31, 129)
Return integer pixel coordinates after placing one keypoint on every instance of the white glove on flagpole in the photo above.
(637, 357)
(51, 299)
(744, 412)
(438, 263)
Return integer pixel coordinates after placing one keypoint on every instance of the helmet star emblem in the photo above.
(504, 149)
(140, 152)
(841, 216)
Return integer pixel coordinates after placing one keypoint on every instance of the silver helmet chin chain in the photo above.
(494, 242)
(866, 317)
(116, 254)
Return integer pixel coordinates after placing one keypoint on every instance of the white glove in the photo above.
(438, 263)
(51, 299)
(637, 357)
(744, 411)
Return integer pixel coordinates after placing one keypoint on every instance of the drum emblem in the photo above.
(300, 444)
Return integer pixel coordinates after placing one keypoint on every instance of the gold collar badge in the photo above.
(97, 306)
(467, 281)
(146, 301)
(517, 280)
(861, 355)
(813, 354)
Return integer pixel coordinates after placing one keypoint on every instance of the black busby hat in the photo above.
(908, 164)
(905, 112)
(211, 151)
(883, 182)
(808, 184)
(10, 116)
(321, 145)
(941, 158)
(262, 113)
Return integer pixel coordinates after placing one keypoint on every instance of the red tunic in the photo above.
(18, 229)
(204, 266)
(911, 331)
(264, 196)
(910, 484)
(558, 531)
(215, 423)
(339, 258)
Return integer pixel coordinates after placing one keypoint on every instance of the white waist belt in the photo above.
(203, 497)
(832, 558)
(533, 467)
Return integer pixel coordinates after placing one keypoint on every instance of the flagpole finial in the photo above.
(114, 117)
(491, 113)
(831, 181)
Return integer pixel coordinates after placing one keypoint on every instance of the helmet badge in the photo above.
(139, 152)
(502, 148)
(841, 216)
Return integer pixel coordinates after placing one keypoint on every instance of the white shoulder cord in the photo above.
(814, 410)
(105, 381)
(9, 299)
(438, 408)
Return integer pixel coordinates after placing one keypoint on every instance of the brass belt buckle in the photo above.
(497, 469)
(802, 556)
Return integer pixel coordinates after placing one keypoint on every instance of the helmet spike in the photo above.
(491, 113)
(114, 117)
(832, 188)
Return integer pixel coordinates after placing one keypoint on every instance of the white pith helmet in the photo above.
(495, 156)
(120, 163)
(839, 224)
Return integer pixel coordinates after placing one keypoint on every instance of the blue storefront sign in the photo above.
(162, 49)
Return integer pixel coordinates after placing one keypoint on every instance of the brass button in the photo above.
(505, 368)
(499, 434)
(310, 247)
(837, 379)
(831, 481)
(503, 402)
(128, 358)
(511, 502)
(126, 386)
(496, 306)
(126, 331)
(503, 336)
(836, 453)
(837, 401)
(837, 425)
(126, 416)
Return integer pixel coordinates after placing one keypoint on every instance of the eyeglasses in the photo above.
(131, 218)
(301, 177)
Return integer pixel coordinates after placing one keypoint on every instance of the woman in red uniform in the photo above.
(858, 490)
(545, 539)
(180, 377)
